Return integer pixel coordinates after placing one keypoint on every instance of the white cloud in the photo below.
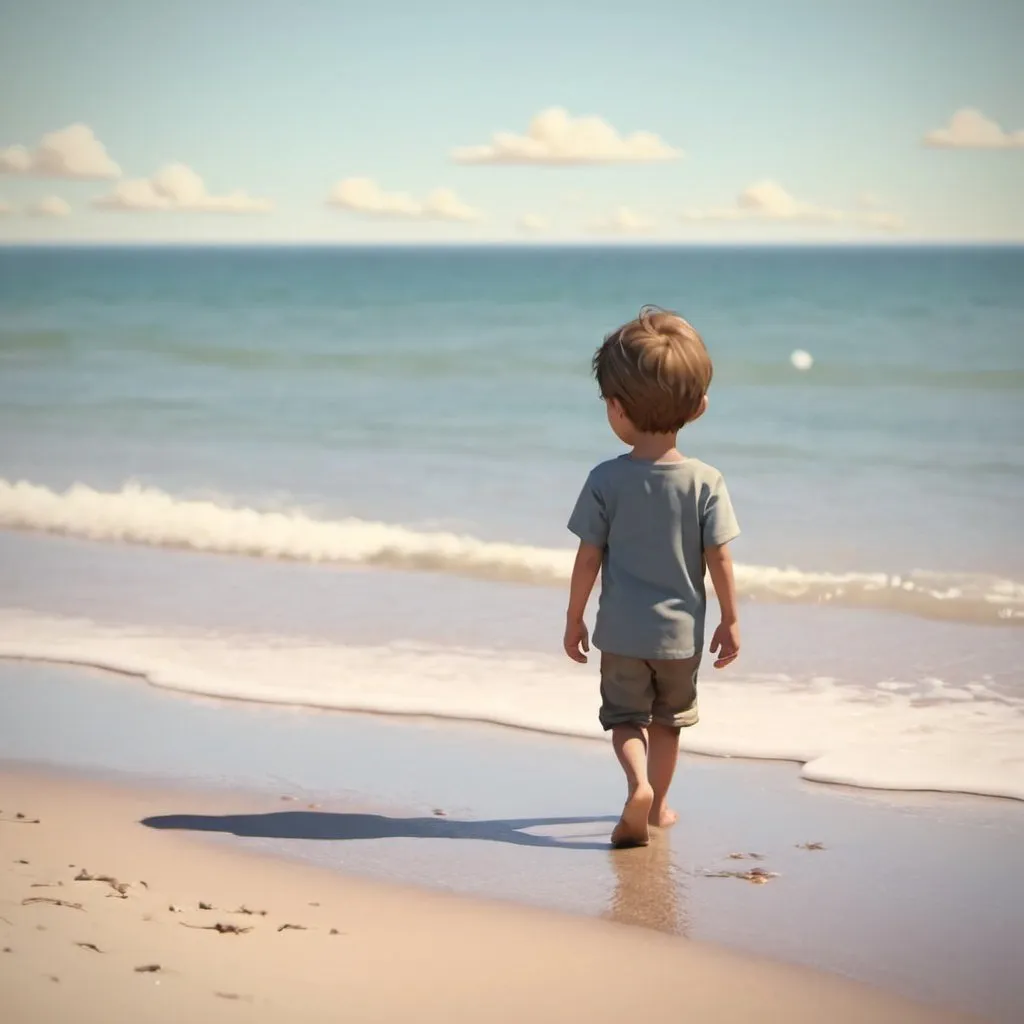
(769, 201)
(766, 200)
(365, 196)
(72, 152)
(177, 187)
(623, 221)
(883, 220)
(444, 204)
(555, 138)
(50, 206)
(971, 129)
(533, 223)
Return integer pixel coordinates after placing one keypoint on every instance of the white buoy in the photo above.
(801, 360)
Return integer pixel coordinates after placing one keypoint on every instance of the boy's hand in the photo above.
(577, 641)
(726, 644)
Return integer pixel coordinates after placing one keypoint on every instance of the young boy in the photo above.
(651, 521)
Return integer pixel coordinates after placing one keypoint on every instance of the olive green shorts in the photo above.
(638, 692)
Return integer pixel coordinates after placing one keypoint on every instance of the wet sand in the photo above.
(104, 918)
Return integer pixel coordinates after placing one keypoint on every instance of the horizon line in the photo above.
(511, 244)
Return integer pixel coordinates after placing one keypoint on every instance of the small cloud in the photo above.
(72, 152)
(177, 187)
(366, 197)
(50, 206)
(766, 200)
(882, 220)
(533, 223)
(623, 221)
(444, 204)
(769, 201)
(971, 129)
(554, 138)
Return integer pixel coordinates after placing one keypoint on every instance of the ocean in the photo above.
(340, 478)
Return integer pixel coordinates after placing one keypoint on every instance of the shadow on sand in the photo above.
(343, 827)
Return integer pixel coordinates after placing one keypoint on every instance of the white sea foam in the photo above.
(143, 515)
(905, 735)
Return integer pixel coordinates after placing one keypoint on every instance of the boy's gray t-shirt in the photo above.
(654, 520)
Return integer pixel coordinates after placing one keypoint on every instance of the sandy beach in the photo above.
(105, 919)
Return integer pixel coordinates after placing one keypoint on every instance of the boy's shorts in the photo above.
(638, 692)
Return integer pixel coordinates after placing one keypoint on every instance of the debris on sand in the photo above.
(147, 969)
(294, 927)
(21, 862)
(121, 888)
(758, 876)
(89, 945)
(20, 819)
(224, 929)
(243, 909)
(56, 903)
(46, 885)
(438, 813)
(746, 856)
(205, 906)
(810, 846)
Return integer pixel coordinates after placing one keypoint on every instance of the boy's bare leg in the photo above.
(662, 757)
(630, 742)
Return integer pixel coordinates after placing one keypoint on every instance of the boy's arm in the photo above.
(726, 641)
(584, 575)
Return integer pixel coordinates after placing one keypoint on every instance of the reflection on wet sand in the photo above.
(649, 889)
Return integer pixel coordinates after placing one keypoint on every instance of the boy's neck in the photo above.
(656, 448)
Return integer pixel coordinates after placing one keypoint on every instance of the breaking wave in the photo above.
(143, 515)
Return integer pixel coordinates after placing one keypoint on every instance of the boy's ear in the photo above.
(703, 409)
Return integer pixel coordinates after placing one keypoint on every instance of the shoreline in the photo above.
(155, 953)
(891, 738)
(458, 721)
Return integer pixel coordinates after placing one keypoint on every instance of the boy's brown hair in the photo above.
(658, 369)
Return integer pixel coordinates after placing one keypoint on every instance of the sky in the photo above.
(663, 121)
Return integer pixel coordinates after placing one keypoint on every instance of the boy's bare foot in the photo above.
(632, 829)
(664, 817)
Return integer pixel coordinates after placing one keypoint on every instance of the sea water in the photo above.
(340, 477)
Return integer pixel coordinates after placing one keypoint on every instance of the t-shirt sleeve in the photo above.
(718, 522)
(589, 519)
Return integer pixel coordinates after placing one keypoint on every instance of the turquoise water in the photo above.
(376, 398)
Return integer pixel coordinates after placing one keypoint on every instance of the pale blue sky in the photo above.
(829, 100)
